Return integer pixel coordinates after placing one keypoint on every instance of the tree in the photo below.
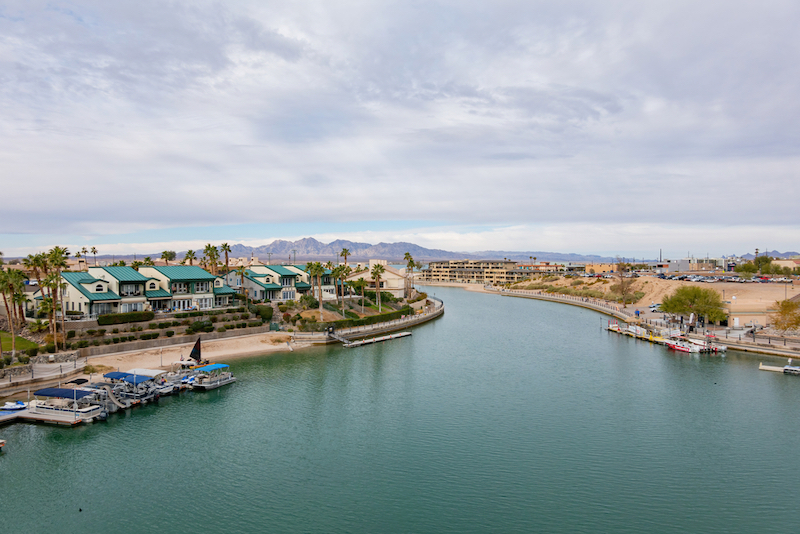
(409, 268)
(762, 263)
(136, 264)
(377, 271)
(148, 261)
(168, 256)
(242, 271)
(191, 256)
(702, 302)
(344, 254)
(748, 267)
(317, 270)
(211, 257)
(57, 257)
(12, 287)
(94, 253)
(359, 285)
(786, 316)
(624, 283)
(227, 250)
(338, 274)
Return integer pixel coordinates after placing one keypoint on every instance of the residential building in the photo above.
(189, 287)
(493, 272)
(392, 280)
(270, 282)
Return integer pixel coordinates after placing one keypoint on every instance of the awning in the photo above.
(158, 294)
(212, 367)
(63, 393)
(136, 379)
(116, 375)
(147, 372)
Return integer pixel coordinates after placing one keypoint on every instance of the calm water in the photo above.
(505, 415)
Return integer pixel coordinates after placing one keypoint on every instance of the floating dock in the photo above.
(8, 416)
(787, 370)
(362, 342)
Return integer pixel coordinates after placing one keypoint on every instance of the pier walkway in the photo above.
(603, 306)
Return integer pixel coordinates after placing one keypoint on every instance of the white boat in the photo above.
(64, 407)
(18, 405)
(682, 346)
(213, 376)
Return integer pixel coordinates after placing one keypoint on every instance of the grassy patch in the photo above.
(22, 343)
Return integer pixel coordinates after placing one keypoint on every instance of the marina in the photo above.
(673, 339)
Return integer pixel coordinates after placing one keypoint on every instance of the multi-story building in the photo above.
(490, 272)
(183, 287)
(392, 280)
(270, 282)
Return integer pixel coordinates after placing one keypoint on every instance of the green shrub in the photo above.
(152, 326)
(70, 334)
(265, 312)
(115, 331)
(91, 332)
(165, 325)
(283, 308)
(96, 342)
(33, 351)
(254, 323)
(221, 329)
(176, 323)
(24, 359)
(209, 328)
(181, 315)
(50, 347)
(241, 325)
(170, 333)
(213, 319)
(115, 340)
(286, 317)
(2, 363)
(347, 323)
(130, 317)
(7, 359)
(421, 296)
(101, 332)
(106, 342)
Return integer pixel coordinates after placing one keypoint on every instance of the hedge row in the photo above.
(130, 317)
(348, 323)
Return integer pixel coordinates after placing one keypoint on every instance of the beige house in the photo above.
(392, 280)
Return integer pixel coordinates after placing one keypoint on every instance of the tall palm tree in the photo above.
(418, 265)
(148, 261)
(344, 254)
(241, 271)
(57, 257)
(339, 275)
(317, 270)
(94, 253)
(12, 287)
(361, 284)
(191, 256)
(226, 249)
(409, 268)
(377, 271)
(211, 255)
(310, 267)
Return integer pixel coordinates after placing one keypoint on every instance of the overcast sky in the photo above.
(572, 126)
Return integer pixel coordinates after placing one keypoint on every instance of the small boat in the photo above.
(791, 370)
(18, 405)
(682, 346)
(2, 443)
(213, 376)
(64, 406)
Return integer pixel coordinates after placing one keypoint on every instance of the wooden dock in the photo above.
(362, 342)
(762, 367)
(9, 416)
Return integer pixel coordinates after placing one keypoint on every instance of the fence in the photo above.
(604, 306)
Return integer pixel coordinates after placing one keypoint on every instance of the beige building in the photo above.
(392, 280)
(491, 272)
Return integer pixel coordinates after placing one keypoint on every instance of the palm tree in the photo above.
(339, 275)
(241, 271)
(377, 272)
(191, 256)
(309, 267)
(57, 257)
(360, 284)
(418, 265)
(94, 252)
(344, 254)
(136, 264)
(148, 261)
(409, 267)
(168, 255)
(11, 285)
(317, 270)
(211, 256)
(226, 249)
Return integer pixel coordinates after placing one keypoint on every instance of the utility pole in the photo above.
(269, 258)
(295, 256)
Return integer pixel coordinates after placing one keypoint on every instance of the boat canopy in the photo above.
(116, 375)
(152, 373)
(63, 393)
(136, 379)
(212, 367)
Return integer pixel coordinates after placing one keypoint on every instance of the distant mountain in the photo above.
(773, 254)
(310, 249)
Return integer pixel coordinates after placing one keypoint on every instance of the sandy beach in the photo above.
(217, 350)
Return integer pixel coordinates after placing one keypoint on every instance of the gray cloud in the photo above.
(194, 113)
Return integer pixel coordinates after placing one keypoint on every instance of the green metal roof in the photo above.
(158, 294)
(224, 290)
(264, 285)
(76, 279)
(185, 273)
(283, 271)
(302, 285)
(126, 274)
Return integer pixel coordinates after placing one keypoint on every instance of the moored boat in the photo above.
(213, 376)
(64, 406)
(11, 406)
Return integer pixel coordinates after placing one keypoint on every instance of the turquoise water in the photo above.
(505, 415)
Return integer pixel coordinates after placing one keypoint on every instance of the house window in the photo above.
(286, 281)
(182, 304)
(180, 287)
(205, 303)
(130, 290)
(152, 285)
(131, 307)
(98, 288)
(201, 287)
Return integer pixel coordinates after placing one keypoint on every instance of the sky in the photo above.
(612, 128)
